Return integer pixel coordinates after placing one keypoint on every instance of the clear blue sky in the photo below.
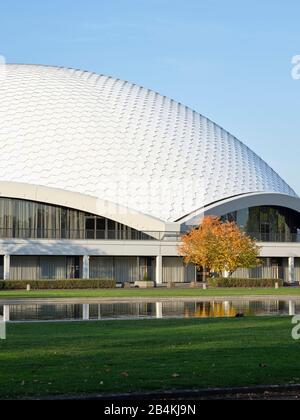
(229, 60)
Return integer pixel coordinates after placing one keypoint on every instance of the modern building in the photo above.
(99, 178)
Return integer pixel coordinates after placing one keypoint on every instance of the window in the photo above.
(30, 220)
(268, 223)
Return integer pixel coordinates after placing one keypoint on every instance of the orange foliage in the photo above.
(219, 247)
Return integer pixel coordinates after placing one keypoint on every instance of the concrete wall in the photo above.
(170, 267)
(92, 248)
(121, 248)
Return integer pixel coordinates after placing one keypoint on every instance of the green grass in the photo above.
(151, 293)
(88, 358)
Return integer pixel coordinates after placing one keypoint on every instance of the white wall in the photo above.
(121, 248)
(92, 248)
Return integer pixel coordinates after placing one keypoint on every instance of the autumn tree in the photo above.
(219, 247)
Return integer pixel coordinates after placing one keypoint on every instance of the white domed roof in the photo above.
(113, 140)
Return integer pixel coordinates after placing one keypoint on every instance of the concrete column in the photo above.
(159, 270)
(226, 308)
(6, 313)
(6, 267)
(2, 329)
(86, 267)
(291, 270)
(139, 277)
(86, 312)
(159, 310)
(292, 308)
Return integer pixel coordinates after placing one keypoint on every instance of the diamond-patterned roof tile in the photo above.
(115, 140)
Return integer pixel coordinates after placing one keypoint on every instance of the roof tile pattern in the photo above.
(100, 136)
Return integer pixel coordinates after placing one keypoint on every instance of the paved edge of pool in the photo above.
(79, 301)
(209, 393)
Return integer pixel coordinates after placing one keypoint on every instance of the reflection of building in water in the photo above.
(180, 309)
(292, 308)
(159, 310)
(4, 313)
(45, 312)
(211, 310)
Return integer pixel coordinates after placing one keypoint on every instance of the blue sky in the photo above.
(229, 60)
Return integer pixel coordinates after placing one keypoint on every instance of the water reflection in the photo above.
(179, 309)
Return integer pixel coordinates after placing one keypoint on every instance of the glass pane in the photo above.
(30, 220)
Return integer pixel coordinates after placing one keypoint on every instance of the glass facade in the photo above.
(22, 219)
(45, 267)
(267, 223)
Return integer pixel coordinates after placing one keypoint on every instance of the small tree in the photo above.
(219, 247)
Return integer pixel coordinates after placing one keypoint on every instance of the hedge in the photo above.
(249, 283)
(57, 284)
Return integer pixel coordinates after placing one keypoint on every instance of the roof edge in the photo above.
(241, 202)
(81, 202)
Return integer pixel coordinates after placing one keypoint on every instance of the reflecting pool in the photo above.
(135, 310)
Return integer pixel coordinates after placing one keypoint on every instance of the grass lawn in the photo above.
(99, 357)
(151, 293)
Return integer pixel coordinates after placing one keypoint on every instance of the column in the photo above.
(292, 308)
(226, 308)
(159, 310)
(86, 267)
(291, 270)
(6, 313)
(159, 270)
(3, 328)
(6, 267)
(86, 312)
(139, 277)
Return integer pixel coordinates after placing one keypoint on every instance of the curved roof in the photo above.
(116, 141)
